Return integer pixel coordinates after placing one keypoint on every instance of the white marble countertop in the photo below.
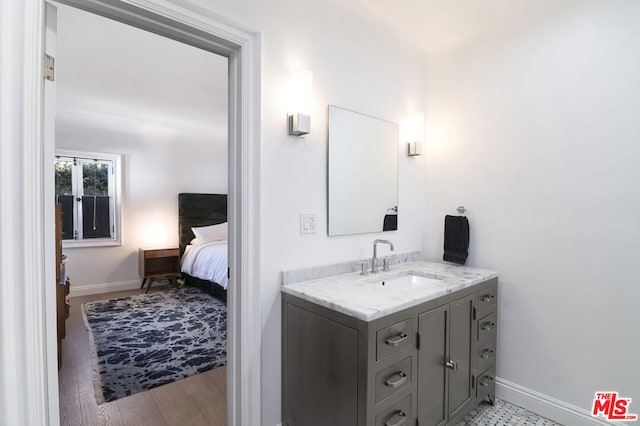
(365, 298)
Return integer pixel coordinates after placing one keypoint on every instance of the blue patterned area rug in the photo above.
(143, 341)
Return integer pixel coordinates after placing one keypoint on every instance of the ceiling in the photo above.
(434, 25)
(113, 75)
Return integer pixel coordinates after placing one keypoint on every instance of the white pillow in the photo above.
(208, 234)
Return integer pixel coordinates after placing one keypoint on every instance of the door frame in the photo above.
(26, 312)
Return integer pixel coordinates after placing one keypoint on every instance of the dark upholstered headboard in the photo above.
(199, 210)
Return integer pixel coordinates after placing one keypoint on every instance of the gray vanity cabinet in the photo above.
(327, 353)
(459, 369)
(431, 358)
(428, 364)
(445, 370)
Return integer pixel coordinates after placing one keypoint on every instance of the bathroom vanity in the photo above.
(412, 346)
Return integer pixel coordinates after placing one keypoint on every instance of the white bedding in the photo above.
(207, 262)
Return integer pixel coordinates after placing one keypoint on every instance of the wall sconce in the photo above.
(414, 132)
(414, 149)
(299, 124)
(299, 119)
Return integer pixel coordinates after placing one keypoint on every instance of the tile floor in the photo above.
(504, 414)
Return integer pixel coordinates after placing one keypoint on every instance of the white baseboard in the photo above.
(544, 405)
(86, 290)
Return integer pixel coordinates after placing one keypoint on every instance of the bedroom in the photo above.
(171, 135)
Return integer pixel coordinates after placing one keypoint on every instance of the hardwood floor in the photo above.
(196, 400)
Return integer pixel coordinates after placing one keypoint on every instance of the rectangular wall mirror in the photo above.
(363, 173)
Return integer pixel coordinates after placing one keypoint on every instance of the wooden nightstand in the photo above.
(159, 264)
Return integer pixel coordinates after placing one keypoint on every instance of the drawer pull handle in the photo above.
(488, 298)
(452, 365)
(487, 354)
(486, 381)
(396, 380)
(396, 340)
(398, 419)
(488, 326)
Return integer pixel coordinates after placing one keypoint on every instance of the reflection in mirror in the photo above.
(363, 173)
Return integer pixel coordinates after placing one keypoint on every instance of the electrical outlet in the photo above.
(308, 223)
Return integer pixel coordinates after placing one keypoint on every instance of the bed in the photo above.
(204, 263)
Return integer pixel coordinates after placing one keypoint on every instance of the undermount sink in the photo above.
(411, 281)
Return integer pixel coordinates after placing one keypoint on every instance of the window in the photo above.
(88, 187)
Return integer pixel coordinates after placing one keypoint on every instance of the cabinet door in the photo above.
(321, 370)
(432, 373)
(460, 354)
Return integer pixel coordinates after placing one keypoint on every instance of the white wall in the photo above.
(535, 131)
(159, 103)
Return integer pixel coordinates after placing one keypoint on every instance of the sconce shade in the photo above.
(414, 149)
(299, 124)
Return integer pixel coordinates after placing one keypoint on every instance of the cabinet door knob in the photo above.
(396, 380)
(398, 419)
(397, 339)
(452, 365)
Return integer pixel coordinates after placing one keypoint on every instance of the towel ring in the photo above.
(462, 209)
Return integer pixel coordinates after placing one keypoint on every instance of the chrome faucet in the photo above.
(375, 254)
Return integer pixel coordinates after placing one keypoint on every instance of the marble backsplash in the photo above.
(318, 272)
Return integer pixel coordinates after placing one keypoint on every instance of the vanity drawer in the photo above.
(486, 385)
(486, 355)
(394, 338)
(487, 299)
(396, 415)
(487, 326)
(392, 379)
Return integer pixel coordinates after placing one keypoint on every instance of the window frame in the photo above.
(115, 192)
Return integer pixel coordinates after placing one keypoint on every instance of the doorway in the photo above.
(162, 106)
(200, 29)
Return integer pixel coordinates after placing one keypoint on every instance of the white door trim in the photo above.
(28, 389)
(24, 366)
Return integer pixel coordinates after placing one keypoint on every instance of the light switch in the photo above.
(308, 223)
